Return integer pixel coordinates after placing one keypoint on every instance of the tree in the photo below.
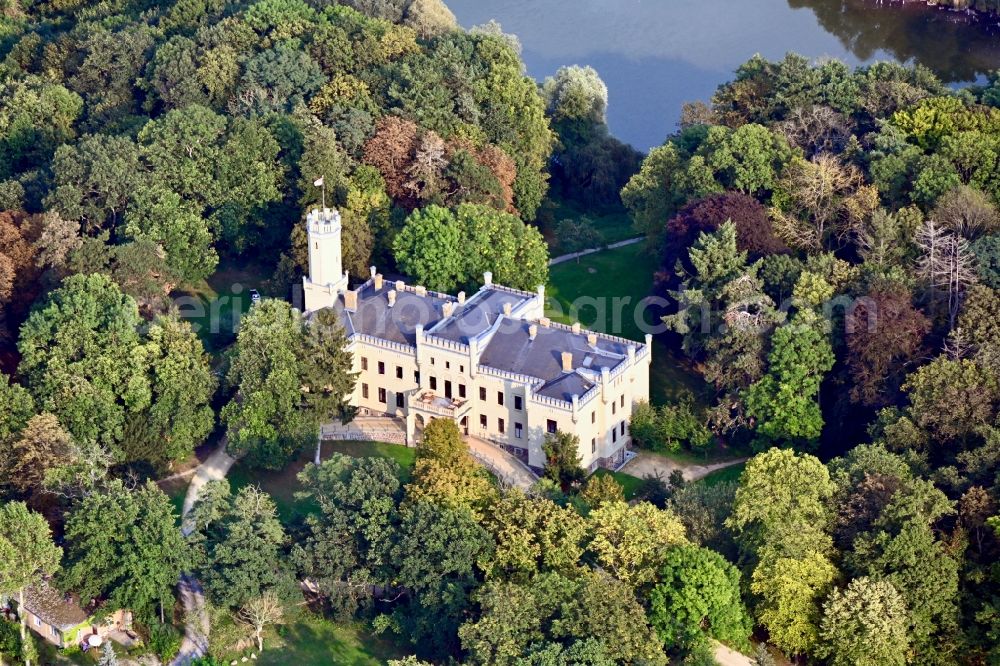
(967, 212)
(20, 407)
(259, 613)
(630, 541)
(785, 402)
(435, 558)
(430, 18)
(28, 553)
(577, 235)
(781, 503)
(884, 335)
(265, 420)
(499, 242)
(562, 458)
(81, 355)
(183, 384)
(27, 460)
(533, 535)
(791, 591)
(108, 655)
(346, 548)
(698, 594)
(827, 200)
(576, 94)
(446, 474)
(552, 608)
(602, 489)
(430, 248)
(326, 373)
(865, 624)
(947, 263)
(951, 399)
(244, 549)
(123, 545)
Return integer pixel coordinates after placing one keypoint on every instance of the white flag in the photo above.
(319, 181)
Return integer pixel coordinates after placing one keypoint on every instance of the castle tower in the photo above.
(326, 279)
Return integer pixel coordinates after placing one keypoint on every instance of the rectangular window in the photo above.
(416, 377)
(518, 430)
(500, 426)
(623, 428)
(434, 383)
(399, 400)
(364, 363)
(447, 388)
(518, 402)
(613, 405)
(623, 400)
(551, 426)
(461, 390)
(593, 417)
(614, 435)
(500, 398)
(364, 391)
(38, 622)
(482, 393)
(399, 372)
(461, 369)
(381, 368)
(54, 632)
(482, 421)
(593, 445)
(381, 396)
(432, 360)
(447, 365)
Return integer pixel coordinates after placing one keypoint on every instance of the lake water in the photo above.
(655, 55)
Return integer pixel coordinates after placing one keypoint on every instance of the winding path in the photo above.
(197, 624)
(650, 465)
(583, 253)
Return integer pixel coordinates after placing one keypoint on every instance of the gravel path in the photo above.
(197, 624)
(583, 253)
(501, 463)
(647, 465)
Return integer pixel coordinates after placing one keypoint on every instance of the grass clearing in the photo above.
(630, 484)
(604, 291)
(315, 641)
(723, 475)
(614, 224)
(215, 306)
(283, 484)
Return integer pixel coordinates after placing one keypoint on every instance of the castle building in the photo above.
(491, 361)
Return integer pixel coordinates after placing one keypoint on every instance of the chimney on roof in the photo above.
(507, 308)
(392, 297)
(487, 278)
(351, 300)
(592, 339)
(461, 297)
(420, 290)
(544, 321)
(371, 271)
(400, 285)
(532, 331)
(377, 278)
(447, 308)
(576, 328)
(567, 361)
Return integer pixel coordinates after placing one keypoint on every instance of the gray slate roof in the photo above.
(53, 607)
(512, 349)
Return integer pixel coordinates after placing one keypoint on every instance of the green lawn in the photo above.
(214, 306)
(404, 456)
(630, 484)
(723, 475)
(614, 224)
(282, 485)
(315, 641)
(603, 291)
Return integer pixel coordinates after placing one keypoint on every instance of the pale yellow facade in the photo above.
(491, 362)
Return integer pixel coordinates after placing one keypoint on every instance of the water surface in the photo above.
(655, 55)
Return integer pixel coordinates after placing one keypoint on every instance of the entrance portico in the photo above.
(422, 405)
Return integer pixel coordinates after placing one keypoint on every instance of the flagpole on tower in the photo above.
(321, 182)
